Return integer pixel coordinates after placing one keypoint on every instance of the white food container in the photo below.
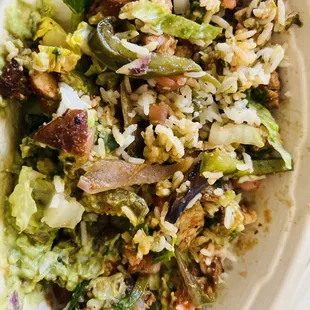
(273, 275)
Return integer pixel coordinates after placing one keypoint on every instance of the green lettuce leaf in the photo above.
(78, 41)
(78, 6)
(23, 205)
(51, 33)
(175, 25)
(235, 133)
(273, 132)
(54, 59)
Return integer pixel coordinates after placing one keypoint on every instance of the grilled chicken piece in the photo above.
(190, 224)
(14, 81)
(68, 133)
(45, 84)
(145, 266)
(273, 91)
(107, 7)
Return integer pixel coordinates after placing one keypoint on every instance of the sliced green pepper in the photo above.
(195, 291)
(109, 51)
(265, 166)
(77, 294)
(137, 292)
(112, 203)
(221, 161)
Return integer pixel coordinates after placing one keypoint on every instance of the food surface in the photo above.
(142, 125)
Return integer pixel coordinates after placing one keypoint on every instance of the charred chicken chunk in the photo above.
(68, 133)
(14, 81)
(190, 224)
(45, 85)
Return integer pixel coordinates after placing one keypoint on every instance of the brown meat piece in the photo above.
(215, 270)
(45, 84)
(14, 82)
(166, 43)
(131, 254)
(190, 223)
(107, 7)
(183, 51)
(273, 91)
(68, 133)
(274, 82)
(145, 266)
(48, 106)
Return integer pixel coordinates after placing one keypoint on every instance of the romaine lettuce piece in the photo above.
(235, 133)
(273, 132)
(59, 11)
(221, 161)
(51, 33)
(107, 291)
(63, 212)
(175, 25)
(23, 205)
(78, 41)
(54, 59)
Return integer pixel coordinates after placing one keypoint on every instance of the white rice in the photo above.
(70, 100)
(130, 215)
(83, 233)
(193, 201)
(244, 34)
(251, 178)
(177, 179)
(229, 217)
(100, 149)
(139, 50)
(220, 21)
(281, 12)
(132, 160)
(265, 35)
(195, 74)
(211, 5)
(169, 141)
(239, 113)
(212, 177)
(218, 192)
(59, 184)
(127, 85)
(248, 161)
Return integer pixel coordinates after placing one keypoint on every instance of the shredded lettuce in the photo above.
(54, 59)
(235, 133)
(175, 25)
(221, 161)
(273, 132)
(59, 11)
(78, 41)
(63, 212)
(23, 205)
(51, 33)
(107, 291)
